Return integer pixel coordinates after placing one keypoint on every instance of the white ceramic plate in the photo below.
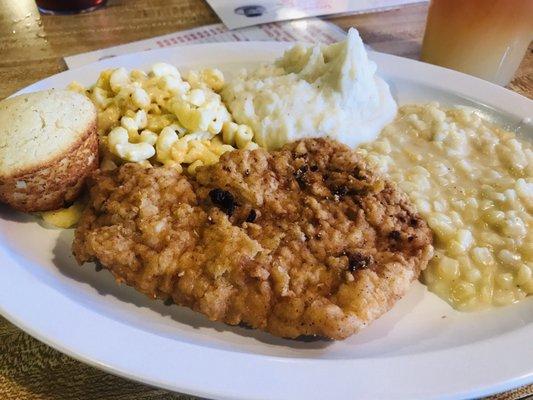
(421, 349)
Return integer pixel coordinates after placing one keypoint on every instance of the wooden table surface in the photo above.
(32, 47)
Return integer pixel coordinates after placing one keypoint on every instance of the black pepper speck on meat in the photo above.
(302, 241)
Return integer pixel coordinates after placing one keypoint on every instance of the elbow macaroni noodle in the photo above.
(65, 217)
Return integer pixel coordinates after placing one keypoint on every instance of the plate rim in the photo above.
(482, 91)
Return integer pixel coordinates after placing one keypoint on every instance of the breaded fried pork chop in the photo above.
(302, 241)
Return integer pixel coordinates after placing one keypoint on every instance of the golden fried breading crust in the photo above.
(301, 241)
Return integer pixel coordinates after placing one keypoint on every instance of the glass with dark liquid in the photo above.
(485, 38)
(68, 6)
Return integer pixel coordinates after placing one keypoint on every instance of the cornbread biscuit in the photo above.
(48, 146)
(302, 241)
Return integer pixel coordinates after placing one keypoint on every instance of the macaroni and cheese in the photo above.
(160, 118)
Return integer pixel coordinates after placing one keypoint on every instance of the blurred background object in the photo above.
(68, 6)
(485, 38)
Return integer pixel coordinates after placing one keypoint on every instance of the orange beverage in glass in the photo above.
(485, 38)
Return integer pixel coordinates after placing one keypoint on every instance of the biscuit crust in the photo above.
(56, 183)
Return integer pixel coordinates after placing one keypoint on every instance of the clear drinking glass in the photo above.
(485, 38)
(68, 6)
